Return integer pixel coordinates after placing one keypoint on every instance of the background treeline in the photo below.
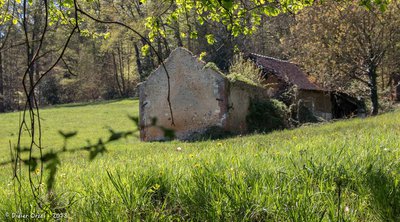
(339, 44)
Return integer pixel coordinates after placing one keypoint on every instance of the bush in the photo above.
(244, 70)
(212, 66)
(211, 133)
(50, 89)
(266, 116)
(304, 115)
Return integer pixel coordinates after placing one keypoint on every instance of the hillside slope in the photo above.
(348, 169)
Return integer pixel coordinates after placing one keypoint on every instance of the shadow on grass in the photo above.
(385, 190)
(72, 105)
(103, 102)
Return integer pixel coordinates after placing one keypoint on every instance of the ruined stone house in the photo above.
(202, 100)
(280, 75)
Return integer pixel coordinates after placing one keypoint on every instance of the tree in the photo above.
(38, 18)
(1, 84)
(345, 50)
(6, 20)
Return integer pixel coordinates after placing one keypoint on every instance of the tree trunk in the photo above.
(374, 88)
(148, 60)
(116, 74)
(31, 77)
(121, 69)
(129, 70)
(150, 57)
(37, 16)
(177, 34)
(189, 40)
(138, 63)
(1, 84)
(159, 50)
(38, 94)
(167, 49)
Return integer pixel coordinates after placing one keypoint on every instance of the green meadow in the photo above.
(346, 170)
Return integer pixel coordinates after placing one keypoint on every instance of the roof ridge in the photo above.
(286, 70)
(269, 57)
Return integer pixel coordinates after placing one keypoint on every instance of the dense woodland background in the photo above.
(340, 45)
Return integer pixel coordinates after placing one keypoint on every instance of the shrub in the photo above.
(213, 132)
(50, 89)
(305, 115)
(266, 116)
(244, 70)
(212, 66)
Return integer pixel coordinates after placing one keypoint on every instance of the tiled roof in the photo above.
(284, 70)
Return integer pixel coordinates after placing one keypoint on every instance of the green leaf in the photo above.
(201, 20)
(271, 11)
(202, 55)
(193, 35)
(210, 39)
(107, 35)
(145, 50)
(227, 4)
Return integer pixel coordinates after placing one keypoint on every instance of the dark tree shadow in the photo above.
(104, 102)
(385, 191)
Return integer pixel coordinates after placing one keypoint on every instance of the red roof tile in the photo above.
(284, 70)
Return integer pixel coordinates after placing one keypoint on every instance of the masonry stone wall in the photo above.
(318, 102)
(239, 98)
(202, 100)
(194, 95)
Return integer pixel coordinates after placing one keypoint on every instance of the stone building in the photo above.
(280, 76)
(202, 100)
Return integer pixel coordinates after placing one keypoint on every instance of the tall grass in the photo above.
(343, 171)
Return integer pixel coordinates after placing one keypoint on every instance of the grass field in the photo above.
(343, 171)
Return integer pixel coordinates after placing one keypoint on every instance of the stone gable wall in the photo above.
(202, 100)
(194, 93)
